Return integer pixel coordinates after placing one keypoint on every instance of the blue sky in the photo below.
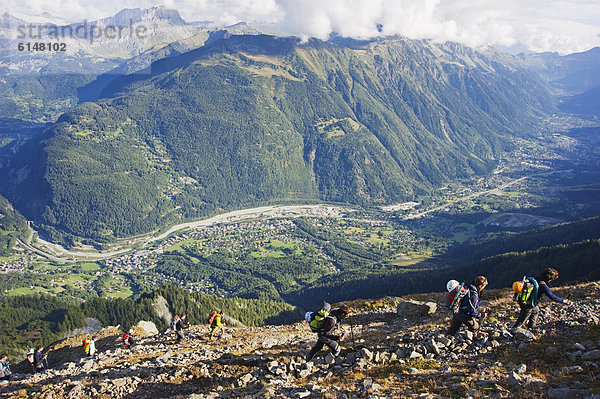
(565, 26)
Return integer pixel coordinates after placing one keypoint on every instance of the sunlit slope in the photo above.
(256, 119)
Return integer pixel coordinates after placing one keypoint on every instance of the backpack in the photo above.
(31, 355)
(4, 369)
(315, 319)
(529, 292)
(86, 346)
(211, 316)
(455, 297)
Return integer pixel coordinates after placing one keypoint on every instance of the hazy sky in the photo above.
(539, 25)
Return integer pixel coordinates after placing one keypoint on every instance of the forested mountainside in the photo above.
(12, 227)
(256, 119)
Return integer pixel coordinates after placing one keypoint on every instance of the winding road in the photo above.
(62, 254)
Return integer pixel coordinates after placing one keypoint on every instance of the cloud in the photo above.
(539, 25)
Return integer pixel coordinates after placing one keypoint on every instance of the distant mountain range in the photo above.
(220, 120)
(124, 43)
(574, 79)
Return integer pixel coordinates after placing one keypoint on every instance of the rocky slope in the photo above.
(388, 353)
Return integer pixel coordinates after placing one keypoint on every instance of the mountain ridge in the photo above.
(373, 126)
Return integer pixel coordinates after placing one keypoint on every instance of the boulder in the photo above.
(76, 392)
(514, 379)
(301, 394)
(329, 358)
(416, 308)
(270, 342)
(88, 365)
(578, 347)
(146, 328)
(442, 340)
(432, 346)
(365, 353)
(572, 369)
(592, 355)
(246, 378)
(567, 393)
(523, 335)
(521, 369)
(120, 382)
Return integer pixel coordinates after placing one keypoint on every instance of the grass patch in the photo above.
(276, 249)
(49, 267)
(267, 254)
(90, 267)
(124, 292)
(376, 239)
(29, 291)
(21, 291)
(422, 364)
(353, 230)
(407, 262)
(179, 246)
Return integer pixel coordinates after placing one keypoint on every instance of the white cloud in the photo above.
(540, 25)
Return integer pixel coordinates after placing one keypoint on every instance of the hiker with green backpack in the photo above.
(324, 324)
(528, 294)
(215, 319)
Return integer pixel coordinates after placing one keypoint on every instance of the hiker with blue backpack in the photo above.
(528, 294)
(324, 324)
(465, 306)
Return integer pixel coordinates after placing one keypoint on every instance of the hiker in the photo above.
(128, 341)
(86, 346)
(325, 332)
(92, 347)
(5, 372)
(179, 325)
(216, 322)
(31, 359)
(468, 313)
(40, 360)
(530, 304)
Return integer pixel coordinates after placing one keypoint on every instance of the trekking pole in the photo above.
(352, 333)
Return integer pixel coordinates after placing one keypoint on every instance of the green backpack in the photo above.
(529, 293)
(315, 319)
